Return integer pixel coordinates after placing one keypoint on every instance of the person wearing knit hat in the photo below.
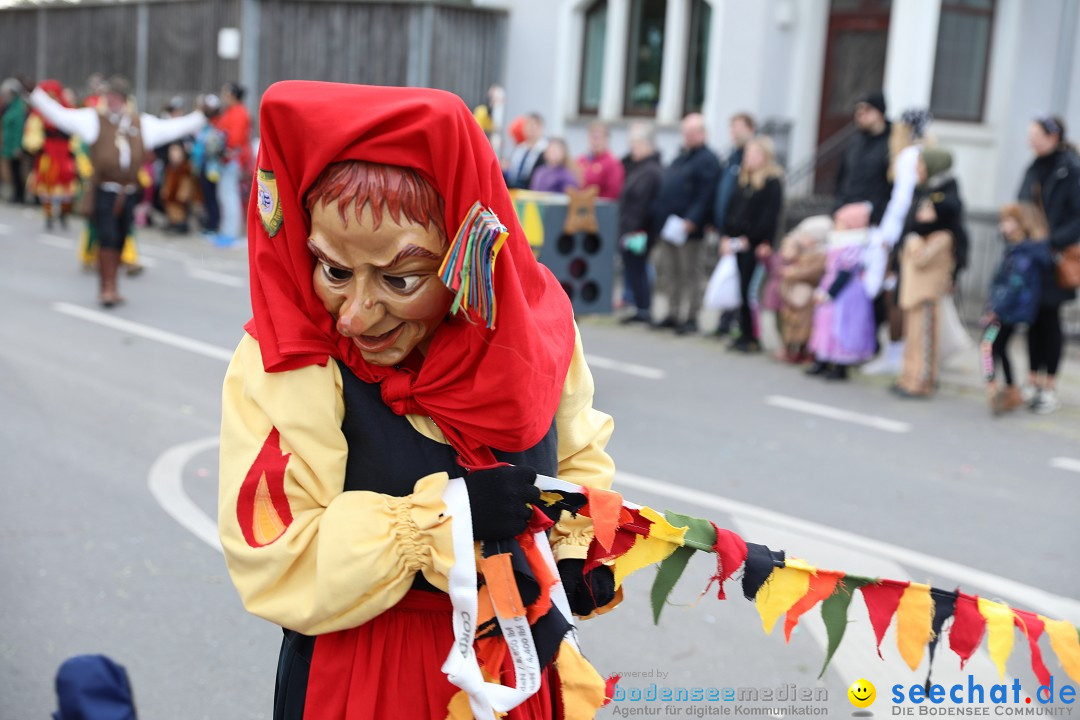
(863, 173)
(874, 99)
(403, 334)
(934, 250)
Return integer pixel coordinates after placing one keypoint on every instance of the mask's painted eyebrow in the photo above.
(411, 251)
(317, 252)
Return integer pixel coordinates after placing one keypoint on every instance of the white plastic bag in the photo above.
(952, 337)
(722, 292)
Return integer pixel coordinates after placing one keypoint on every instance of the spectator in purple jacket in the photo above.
(556, 174)
(599, 167)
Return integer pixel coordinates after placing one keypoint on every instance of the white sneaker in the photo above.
(1046, 402)
(1028, 393)
(890, 362)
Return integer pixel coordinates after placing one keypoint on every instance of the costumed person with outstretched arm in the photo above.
(118, 137)
(368, 402)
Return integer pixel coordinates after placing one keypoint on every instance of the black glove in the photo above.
(586, 592)
(499, 499)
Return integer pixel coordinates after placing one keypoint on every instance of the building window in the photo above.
(962, 59)
(697, 56)
(645, 55)
(592, 65)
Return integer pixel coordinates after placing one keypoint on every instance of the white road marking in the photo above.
(1064, 463)
(57, 241)
(166, 483)
(835, 413)
(1025, 597)
(641, 371)
(145, 331)
(216, 277)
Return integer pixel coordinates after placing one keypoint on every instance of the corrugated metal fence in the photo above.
(169, 48)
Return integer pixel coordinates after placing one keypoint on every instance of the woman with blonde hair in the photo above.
(750, 226)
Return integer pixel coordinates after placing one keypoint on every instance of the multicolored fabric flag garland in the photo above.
(631, 537)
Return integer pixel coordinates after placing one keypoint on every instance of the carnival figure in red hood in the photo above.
(408, 370)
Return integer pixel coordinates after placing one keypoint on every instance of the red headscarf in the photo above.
(484, 388)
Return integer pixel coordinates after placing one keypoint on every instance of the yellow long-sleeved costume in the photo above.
(348, 556)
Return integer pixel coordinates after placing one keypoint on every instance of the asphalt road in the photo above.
(97, 411)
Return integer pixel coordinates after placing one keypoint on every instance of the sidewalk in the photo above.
(961, 373)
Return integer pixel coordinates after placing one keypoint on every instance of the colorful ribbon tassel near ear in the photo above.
(469, 266)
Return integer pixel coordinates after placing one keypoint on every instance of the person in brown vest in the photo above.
(119, 138)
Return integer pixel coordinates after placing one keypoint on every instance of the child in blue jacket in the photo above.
(1014, 297)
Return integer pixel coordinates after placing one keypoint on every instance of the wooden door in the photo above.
(854, 65)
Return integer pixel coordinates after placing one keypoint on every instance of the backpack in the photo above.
(93, 687)
(1017, 285)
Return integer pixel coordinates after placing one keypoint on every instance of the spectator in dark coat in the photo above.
(742, 127)
(685, 197)
(863, 175)
(750, 227)
(1051, 183)
(643, 177)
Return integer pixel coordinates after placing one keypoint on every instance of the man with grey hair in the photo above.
(680, 213)
(636, 238)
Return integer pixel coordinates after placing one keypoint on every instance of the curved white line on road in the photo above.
(167, 486)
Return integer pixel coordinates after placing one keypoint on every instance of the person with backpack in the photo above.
(1014, 297)
(934, 247)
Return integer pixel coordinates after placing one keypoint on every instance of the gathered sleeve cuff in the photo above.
(583, 432)
(302, 552)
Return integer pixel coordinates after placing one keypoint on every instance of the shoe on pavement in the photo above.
(818, 368)
(1046, 402)
(687, 328)
(668, 323)
(836, 372)
(1028, 393)
(638, 317)
(1006, 401)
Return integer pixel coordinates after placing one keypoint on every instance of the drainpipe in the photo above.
(1059, 95)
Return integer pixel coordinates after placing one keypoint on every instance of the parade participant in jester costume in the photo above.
(409, 370)
(55, 178)
(118, 137)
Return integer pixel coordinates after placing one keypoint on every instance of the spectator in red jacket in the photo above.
(235, 122)
(599, 167)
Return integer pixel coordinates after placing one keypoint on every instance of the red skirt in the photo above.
(390, 668)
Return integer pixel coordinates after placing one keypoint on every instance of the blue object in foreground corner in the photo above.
(93, 687)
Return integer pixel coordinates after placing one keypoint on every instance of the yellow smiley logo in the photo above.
(862, 693)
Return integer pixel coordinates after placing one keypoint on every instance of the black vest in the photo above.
(386, 455)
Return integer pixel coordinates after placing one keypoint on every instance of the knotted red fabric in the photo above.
(485, 389)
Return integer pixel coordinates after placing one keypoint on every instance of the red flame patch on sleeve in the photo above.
(262, 508)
